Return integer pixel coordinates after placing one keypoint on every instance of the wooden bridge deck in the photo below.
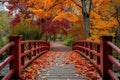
(62, 64)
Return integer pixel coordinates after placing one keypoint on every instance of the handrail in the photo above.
(18, 51)
(82, 46)
(9, 74)
(30, 41)
(113, 60)
(3, 49)
(30, 49)
(102, 50)
(7, 61)
(114, 47)
(112, 74)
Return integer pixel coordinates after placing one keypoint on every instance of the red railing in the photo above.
(7, 61)
(100, 54)
(22, 53)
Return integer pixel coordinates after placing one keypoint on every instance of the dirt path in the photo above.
(59, 47)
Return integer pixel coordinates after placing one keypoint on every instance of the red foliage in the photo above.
(54, 27)
(11, 7)
(15, 20)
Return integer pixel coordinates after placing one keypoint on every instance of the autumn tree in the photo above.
(93, 12)
(44, 11)
(115, 4)
(101, 21)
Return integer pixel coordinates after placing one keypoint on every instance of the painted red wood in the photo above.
(23, 49)
(105, 51)
(16, 51)
(6, 61)
(114, 61)
(112, 74)
(114, 47)
(19, 50)
(3, 49)
(102, 51)
(9, 74)
(33, 48)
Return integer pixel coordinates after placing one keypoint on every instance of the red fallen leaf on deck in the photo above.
(78, 66)
(36, 62)
(82, 67)
(78, 71)
(28, 75)
(91, 68)
(67, 62)
(72, 57)
(92, 75)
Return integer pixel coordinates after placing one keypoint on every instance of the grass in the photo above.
(68, 42)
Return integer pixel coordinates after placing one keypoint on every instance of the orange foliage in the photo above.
(101, 20)
(102, 23)
(46, 8)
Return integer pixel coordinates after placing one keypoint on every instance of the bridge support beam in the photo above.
(105, 51)
(16, 50)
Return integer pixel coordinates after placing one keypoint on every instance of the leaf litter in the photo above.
(82, 67)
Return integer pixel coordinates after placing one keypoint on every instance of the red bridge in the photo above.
(23, 53)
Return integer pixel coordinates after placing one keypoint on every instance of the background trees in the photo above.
(4, 28)
(94, 17)
(102, 22)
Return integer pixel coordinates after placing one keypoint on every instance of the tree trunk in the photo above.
(46, 38)
(86, 18)
(54, 38)
(62, 37)
(86, 26)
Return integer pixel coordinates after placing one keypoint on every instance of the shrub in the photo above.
(68, 42)
(29, 30)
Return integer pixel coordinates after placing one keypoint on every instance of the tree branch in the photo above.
(76, 3)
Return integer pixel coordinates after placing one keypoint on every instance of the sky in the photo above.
(3, 6)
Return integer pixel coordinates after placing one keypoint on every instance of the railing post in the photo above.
(105, 51)
(49, 45)
(16, 50)
(72, 46)
(91, 47)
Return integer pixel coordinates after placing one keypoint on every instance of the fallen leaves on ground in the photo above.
(82, 67)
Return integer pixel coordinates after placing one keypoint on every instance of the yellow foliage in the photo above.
(71, 17)
(117, 1)
(97, 2)
(60, 16)
(67, 15)
(39, 13)
(95, 15)
(47, 14)
(48, 3)
(102, 20)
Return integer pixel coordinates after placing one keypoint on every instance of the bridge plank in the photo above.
(61, 66)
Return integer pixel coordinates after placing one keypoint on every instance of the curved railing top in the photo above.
(114, 47)
(102, 50)
(3, 49)
(89, 41)
(18, 51)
